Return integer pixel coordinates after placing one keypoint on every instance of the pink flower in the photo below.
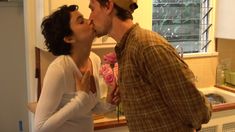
(110, 58)
(109, 70)
(105, 69)
(110, 79)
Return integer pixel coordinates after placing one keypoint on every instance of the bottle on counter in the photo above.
(220, 77)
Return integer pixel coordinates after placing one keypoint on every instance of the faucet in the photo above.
(180, 50)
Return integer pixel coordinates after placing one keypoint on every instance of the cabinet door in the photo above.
(225, 19)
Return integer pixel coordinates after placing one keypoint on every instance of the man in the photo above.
(156, 86)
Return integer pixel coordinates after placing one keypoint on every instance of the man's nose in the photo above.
(90, 18)
(88, 21)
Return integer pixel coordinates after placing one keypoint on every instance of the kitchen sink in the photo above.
(228, 97)
(223, 115)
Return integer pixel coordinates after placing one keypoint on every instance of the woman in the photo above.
(70, 92)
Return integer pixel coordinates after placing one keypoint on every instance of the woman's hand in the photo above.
(113, 96)
(83, 83)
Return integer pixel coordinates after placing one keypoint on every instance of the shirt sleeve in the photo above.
(103, 107)
(48, 116)
(174, 79)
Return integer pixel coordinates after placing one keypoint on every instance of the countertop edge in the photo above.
(110, 124)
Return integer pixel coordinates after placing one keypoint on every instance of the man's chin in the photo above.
(99, 35)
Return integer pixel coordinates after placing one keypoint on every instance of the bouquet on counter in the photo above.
(109, 71)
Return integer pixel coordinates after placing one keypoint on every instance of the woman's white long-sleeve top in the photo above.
(63, 109)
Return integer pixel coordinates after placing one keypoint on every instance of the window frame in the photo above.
(210, 50)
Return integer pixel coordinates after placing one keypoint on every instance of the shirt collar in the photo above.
(119, 48)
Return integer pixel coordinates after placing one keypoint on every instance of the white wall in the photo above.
(13, 90)
(225, 18)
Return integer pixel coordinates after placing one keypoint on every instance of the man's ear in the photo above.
(69, 39)
(110, 6)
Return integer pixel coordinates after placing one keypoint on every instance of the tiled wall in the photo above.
(226, 49)
(204, 68)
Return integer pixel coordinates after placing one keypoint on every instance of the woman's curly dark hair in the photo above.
(57, 26)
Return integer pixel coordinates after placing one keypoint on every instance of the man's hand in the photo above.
(83, 83)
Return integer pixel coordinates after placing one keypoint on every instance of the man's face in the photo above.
(100, 18)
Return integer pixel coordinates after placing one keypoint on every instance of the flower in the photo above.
(110, 58)
(109, 70)
(108, 75)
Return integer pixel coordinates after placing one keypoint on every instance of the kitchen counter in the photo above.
(107, 122)
(110, 121)
(225, 106)
(227, 88)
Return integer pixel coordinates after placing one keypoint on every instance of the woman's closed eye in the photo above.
(80, 19)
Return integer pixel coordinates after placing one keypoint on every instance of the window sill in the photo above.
(200, 55)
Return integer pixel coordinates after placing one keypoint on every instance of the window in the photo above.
(183, 23)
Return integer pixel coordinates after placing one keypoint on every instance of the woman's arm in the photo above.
(48, 117)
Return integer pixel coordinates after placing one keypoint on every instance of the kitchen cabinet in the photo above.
(143, 15)
(225, 19)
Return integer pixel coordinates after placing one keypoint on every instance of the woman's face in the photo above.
(82, 29)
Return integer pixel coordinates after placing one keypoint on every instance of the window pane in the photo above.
(182, 22)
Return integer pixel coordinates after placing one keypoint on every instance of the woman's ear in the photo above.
(69, 39)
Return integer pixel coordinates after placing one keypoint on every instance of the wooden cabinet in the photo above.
(143, 15)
